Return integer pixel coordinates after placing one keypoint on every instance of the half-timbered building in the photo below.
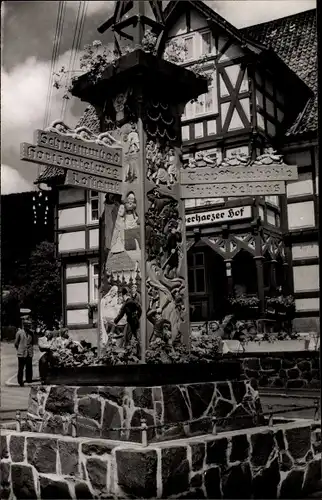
(262, 94)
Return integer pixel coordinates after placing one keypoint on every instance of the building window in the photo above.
(93, 204)
(206, 43)
(189, 48)
(206, 103)
(94, 279)
(196, 273)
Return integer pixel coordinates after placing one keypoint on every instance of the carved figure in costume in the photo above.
(134, 141)
(165, 300)
(118, 238)
(192, 163)
(132, 310)
(135, 294)
(172, 166)
(84, 133)
(131, 217)
(161, 326)
(154, 301)
(58, 126)
(244, 159)
(268, 157)
(108, 312)
(118, 104)
(174, 238)
(151, 149)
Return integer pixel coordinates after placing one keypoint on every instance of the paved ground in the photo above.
(13, 397)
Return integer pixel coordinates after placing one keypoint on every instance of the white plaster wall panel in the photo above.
(246, 106)
(280, 115)
(271, 129)
(76, 293)
(305, 250)
(244, 84)
(69, 217)
(179, 28)
(231, 53)
(93, 238)
(198, 130)
(274, 200)
(240, 149)
(306, 278)
(76, 270)
(300, 158)
(233, 72)
(68, 242)
(260, 121)
(224, 110)
(223, 89)
(235, 122)
(271, 217)
(269, 107)
(298, 188)
(77, 317)
(312, 304)
(73, 195)
(259, 99)
(301, 215)
(189, 203)
(185, 133)
(197, 21)
(211, 127)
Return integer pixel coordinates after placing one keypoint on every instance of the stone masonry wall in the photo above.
(280, 462)
(98, 409)
(282, 370)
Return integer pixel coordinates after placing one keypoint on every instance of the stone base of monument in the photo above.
(283, 461)
(169, 411)
(138, 374)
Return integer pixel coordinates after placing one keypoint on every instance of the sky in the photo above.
(28, 31)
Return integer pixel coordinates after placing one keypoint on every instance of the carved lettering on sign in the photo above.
(218, 216)
(87, 149)
(45, 156)
(233, 189)
(239, 174)
(94, 182)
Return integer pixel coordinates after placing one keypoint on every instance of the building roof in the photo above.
(294, 39)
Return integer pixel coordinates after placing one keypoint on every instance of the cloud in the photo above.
(94, 7)
(243, 13)
(13, 182)
(23, 105)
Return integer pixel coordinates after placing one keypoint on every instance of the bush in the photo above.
(8, 333)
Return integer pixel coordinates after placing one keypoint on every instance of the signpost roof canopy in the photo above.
(173, 83)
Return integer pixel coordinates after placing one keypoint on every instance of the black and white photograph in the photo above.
(160, 298)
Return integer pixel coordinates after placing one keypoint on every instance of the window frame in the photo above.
(90, 199)
(92, 277)
(193, 269)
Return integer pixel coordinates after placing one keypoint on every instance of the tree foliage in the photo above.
(41, 289)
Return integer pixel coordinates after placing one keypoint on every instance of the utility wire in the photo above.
(55, 52)
(76, 45)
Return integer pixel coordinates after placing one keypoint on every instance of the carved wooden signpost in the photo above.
(89, 161)
(238, 176)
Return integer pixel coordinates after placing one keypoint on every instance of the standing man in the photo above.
(24, 344)
(133, 312)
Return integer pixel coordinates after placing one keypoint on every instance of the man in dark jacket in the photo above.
(133, 312)
(24, 344)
